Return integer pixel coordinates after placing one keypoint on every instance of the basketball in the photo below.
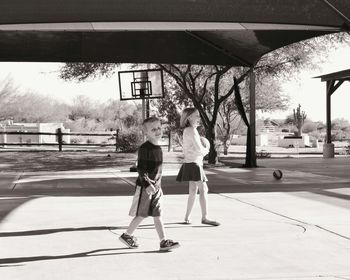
(277, 174)
(205, 142)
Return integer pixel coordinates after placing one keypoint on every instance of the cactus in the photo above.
(299, 118)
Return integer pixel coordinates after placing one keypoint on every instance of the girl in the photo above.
(195, 148)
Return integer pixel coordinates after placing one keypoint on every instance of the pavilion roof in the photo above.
(343, 75)
(226, 32)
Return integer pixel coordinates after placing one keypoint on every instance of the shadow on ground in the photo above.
(93, 253)
(62, 161)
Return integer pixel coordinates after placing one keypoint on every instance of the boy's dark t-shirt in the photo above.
(149, 165)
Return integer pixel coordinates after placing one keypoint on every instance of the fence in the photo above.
(60, 142)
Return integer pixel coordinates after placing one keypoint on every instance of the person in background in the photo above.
(194, 148)
(148, 192)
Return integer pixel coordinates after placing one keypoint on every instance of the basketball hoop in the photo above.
(141, 84)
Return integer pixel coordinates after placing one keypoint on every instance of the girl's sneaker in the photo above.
(210, 222)
(168, 244)
(129, 240)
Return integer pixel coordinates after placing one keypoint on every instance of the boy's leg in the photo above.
(158, 223)
(192, 191)
(127, 238)
(135, 222)
(165, 244)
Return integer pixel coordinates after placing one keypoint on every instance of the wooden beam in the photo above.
(336, 86)
(328, 110)
(252, 155)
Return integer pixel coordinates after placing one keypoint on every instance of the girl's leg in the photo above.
(203, 198)
(134, 224)
(192, 191)
(158, 223)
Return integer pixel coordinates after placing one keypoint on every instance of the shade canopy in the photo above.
(334, 81)
(343, 75)
(226, 32)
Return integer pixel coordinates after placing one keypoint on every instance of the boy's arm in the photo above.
(142, 164)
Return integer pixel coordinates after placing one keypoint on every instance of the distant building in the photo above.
(268, 126)
(10, 126)
(291, 141)
(260, 140)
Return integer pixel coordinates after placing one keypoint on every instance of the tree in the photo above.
(29, 106)
(82, 107)
(172, 104)
(268, 99)
(289, 119)
(340, 129)
(7, 88)
(229, 121)
(120, 114)
(287, 62)
(8, 93)
(84, 71)
(205, 86)
(309, 127)
(86, 115)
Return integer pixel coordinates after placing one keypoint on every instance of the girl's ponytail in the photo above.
(186, 113)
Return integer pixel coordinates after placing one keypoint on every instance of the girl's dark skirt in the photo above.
(191, 172)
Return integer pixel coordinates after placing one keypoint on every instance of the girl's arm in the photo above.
(193, 136)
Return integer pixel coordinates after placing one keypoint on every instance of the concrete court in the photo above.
(65, 224)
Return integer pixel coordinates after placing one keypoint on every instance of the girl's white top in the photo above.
(194, 151)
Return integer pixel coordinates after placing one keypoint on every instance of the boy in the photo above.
(148, 193)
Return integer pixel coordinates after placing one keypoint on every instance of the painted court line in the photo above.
(15, 181)
(259, 176)
(126, 180)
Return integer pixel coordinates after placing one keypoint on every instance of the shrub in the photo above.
(90, 141)
(263, 154)
(309, 127)
(76, 140)
(129, 142)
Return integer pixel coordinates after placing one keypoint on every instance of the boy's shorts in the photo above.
(145, 205)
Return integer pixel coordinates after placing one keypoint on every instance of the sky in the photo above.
(303, 89)
(43, 78)
(310, 92)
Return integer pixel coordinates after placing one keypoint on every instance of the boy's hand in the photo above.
(151, 190)
(149, 180)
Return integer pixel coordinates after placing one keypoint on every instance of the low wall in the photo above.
(294, 142)
(261, 140)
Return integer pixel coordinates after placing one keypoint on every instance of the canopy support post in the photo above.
(252, 149)
(328, 147)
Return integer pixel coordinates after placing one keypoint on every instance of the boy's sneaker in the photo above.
(168, 244)
(129, 240)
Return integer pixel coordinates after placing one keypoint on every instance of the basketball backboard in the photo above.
(141, 84)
